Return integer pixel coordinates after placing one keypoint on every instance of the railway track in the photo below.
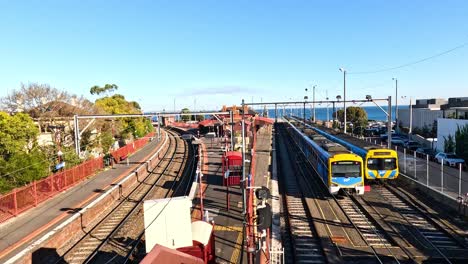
(432, 233)
(108, 241)
(346, 219)
(304, 244)
(372, 234)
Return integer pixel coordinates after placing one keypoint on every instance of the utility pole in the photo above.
(396, 103)
(344, 96)
(410, 117)
(389, 123)
(313, 104)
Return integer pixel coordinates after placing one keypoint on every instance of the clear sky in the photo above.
(218, 52)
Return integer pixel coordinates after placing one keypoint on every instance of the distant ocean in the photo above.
(373, 112)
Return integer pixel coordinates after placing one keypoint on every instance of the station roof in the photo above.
(263, 120)
(208, 122)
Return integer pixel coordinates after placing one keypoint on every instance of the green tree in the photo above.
(107, 88)
(185, 118)
(461, 142)
(200, 117)
(354, 114)
(449, 144)
(21, 161)
(117, 104)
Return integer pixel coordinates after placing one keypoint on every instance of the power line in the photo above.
(412, 63)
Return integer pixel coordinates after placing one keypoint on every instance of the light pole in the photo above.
(303, 113)
(389, 118)
(396, 102)
(313, 104)
(334, 112)
(344, 96)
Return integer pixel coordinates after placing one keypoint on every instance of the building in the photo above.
(457, 108)
(446, 127)
(424, 113)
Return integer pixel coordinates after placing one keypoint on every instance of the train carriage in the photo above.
(379, 163)
(338, 168)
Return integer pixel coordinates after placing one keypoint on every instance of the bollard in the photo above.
(459, 178)
(404, 158)
(427, 170)
(415, 167)
(442, 176)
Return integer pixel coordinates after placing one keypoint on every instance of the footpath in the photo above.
(18, 232)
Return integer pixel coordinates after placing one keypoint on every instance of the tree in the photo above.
(42, 100)
(356, 115)
(117, 104)
(17, 134)
(21, 161)
(185, 118)
(449, 144)
(200, 118)
(108, 88)
(461, 142)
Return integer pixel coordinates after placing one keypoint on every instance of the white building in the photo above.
(446, 127)
(421, 117)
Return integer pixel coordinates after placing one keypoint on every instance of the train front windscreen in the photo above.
(381, 163)
(346, 169)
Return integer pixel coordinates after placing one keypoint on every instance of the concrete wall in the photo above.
(421, 117)
(447, 127)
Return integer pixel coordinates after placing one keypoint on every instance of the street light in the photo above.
(344, 96)
(303, 113)
(396, 102)
(389, 117)
(313, 104)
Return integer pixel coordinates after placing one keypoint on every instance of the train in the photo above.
(334, 164)
(380, 163)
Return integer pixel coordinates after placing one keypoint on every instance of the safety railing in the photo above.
(449, 180)
(26, 197)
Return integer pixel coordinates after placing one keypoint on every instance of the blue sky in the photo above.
(218, 52)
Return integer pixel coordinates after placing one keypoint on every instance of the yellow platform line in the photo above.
(228, 228)
(237, 249)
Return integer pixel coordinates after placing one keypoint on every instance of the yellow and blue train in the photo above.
(336, 166)
(380, 163)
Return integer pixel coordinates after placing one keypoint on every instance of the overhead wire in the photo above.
(411, 63)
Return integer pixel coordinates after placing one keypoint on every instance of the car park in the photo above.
(449, 159)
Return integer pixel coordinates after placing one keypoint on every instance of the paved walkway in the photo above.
(228, 224)
(17, 232)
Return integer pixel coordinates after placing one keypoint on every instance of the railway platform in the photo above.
(229, 223)
(18, 233)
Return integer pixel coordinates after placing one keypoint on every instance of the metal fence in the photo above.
(26, 197)
(452, 181)
(277, 256)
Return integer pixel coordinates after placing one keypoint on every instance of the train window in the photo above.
(381, 164)
(350, 169)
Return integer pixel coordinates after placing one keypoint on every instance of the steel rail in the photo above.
(112, 211)
(336, 201)
(130, 213)
(140, 236)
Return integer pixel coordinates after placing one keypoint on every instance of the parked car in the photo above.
(412, 145)
(449, 159)
(398, 142)
(427, 151)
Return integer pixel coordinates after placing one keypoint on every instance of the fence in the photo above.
(452, 181)
(183, 125)
(24, 198)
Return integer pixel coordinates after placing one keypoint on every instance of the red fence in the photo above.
(21, 199)
(183, 125)
(130, 148)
